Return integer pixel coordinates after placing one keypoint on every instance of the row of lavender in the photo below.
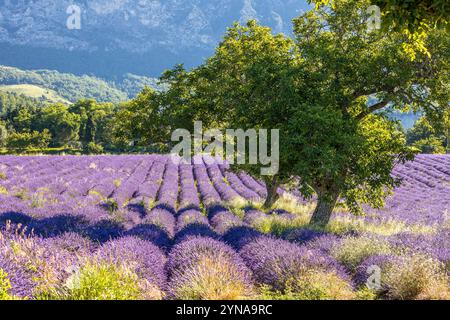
(172, 227)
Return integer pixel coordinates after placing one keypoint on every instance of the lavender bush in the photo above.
(202, 268)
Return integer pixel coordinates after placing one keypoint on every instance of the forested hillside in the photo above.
(33, 91)
(74, 88)
(13, 101)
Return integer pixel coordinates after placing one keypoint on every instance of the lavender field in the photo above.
(145, 227)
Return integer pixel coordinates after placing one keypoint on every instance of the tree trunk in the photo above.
(272, 194)
(447, 147)
(324, 209)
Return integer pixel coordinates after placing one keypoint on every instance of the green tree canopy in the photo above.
(95, 121)
(143, 121)
(428, 138)
(416, 19)
(60, 122)
(29, 140)
(409, 15)
(326, 91)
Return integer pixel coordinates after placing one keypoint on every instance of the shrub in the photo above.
(210, 278)
(30, 267)
(319, 285)
(189, 217)
(417, 277)
(161, 218)
(124, 269)
(224, 221)
(102, 281)
(351, 251)
(140, 256)
(407, 277)
(195, 230)
(279, 263)
(70, 242)
(93, 148)
(313, 285)
(238, 237)
(151, 233)
(324, 243)
(366, 269)
(303, 235)
(26, 140)
(435, 245)
(206, 269)
(5, 286)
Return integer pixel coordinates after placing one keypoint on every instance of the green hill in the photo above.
(70, 87)
(13, 100)
(33, 91)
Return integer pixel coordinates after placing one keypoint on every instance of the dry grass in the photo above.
(351, 251)
(278, 225)
(312, 285)
(34, 91)
(417, 277)
(107, 281)
(212, 279)
(290, 204)
(340, 225)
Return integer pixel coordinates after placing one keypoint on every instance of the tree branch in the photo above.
(371, 109)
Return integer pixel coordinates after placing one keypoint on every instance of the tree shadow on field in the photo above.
(15, 218)
(239, 236)
(166, 207)
(104, 231)
(195, 230)
(215, 209)
(188, 208)
(138, 208)
(57, 225)
(152, 233)
(45, 227)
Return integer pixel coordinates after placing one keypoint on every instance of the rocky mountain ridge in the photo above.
(161, 32)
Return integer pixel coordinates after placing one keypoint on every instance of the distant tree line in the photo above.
(28, 124)
(138, 125)
(87, 126)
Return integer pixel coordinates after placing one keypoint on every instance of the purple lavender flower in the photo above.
(71, 242)
(20, 279)
(225, 220)
(57, 202)
(151, 233)
(437, 246)
(189, 257)
(147, 259)
(238, 237)
(195, 230)
(191, 216)
(324, 243)
(253, 217)
(275, 262)
(163, 218)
